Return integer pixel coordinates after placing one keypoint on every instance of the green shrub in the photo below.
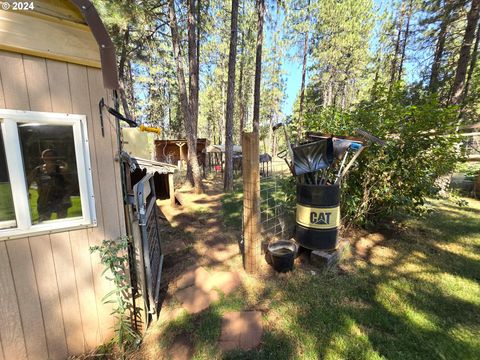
(114, 257)
(421, 146)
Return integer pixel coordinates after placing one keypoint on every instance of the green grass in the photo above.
(232, 203)
(7, 211)
(412, 296)
(6, 203)
(74, 211)
(470, 168)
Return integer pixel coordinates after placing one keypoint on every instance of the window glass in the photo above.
(7, 212)
(51, 169)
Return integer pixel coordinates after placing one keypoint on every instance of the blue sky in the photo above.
(293, 71)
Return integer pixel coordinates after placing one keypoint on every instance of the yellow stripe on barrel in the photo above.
(318, 217)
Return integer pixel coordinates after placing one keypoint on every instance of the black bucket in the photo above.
(282, 253)
(318, 216)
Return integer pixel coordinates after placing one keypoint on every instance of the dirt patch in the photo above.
(198, 255)
(180, 349)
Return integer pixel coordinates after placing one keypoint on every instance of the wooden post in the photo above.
(171, 189)
(251, 201)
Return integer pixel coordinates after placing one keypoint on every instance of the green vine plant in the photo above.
(114, 257)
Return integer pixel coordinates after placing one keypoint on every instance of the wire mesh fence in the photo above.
(472, 145)
(276, 215)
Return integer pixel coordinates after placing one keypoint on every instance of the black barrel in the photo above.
(318, 216)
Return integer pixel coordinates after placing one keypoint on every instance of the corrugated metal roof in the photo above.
(153, 166)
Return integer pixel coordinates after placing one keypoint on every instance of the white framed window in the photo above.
(45, 173)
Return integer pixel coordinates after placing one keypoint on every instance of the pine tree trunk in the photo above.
(471, 68)
(302, 86)
(274, 145)
(241, 105)
(198, 56)
(222, 121)
(464, 59)
(195, 175)
(121, 73)
(232, 58)
(164, 133)
(329, 93)
(439, 50)
(393, 70)
(344, 96)
(405, 39)
(182, 89)
(214, 129)
(131, 89)
(258, 66)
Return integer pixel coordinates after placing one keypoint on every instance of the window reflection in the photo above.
(50, 164)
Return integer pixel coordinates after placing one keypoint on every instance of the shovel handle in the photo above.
(349, 165)
(282, 154)
(370, 137)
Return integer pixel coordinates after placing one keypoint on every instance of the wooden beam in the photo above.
(65, 10)
(48, 37)
(251, 202)
(473, 158)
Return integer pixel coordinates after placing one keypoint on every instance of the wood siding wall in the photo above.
(50, 285)
(31, 32)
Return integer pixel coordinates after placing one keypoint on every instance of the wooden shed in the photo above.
(173, 150)
(52, 138)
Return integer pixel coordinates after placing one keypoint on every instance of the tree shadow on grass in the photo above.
(406, 296)
(418, 303)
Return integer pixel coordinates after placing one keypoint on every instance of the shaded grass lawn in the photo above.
(410, 296)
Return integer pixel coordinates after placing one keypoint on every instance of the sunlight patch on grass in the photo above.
(352, 343)
(395, 297)
(466, 336)
(456, 287)
(385, 256)
(254, 288)
(306, 346)
(418, 297)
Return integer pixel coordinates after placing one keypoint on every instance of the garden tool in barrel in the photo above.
(356, 147)
(288, 151)
(312, 157)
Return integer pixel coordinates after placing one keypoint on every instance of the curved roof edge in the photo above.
(105, 44)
